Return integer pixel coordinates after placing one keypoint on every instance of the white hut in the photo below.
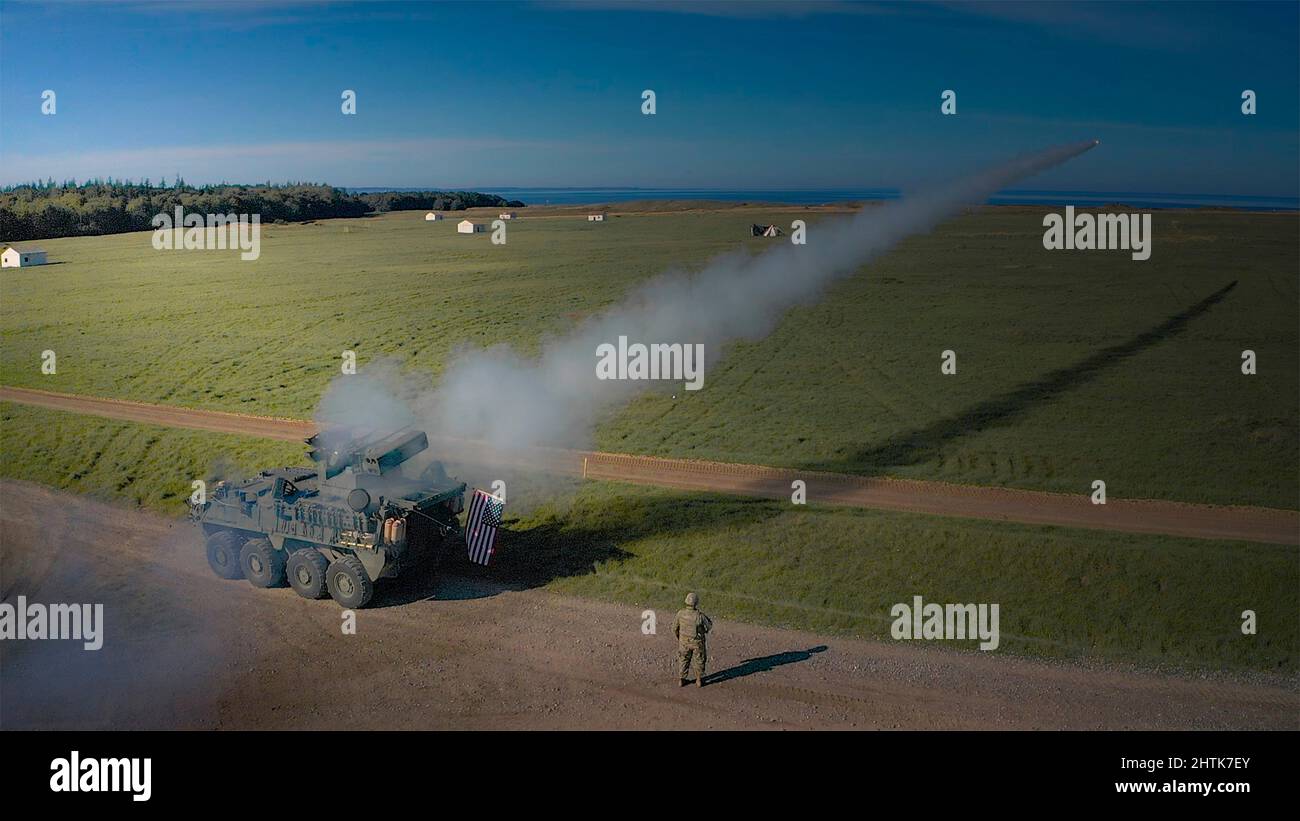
(14, 258)
(508, 215)
(467, 227)
(432, 217)
(595, 218)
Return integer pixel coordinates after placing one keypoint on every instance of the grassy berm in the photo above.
(1147, 600)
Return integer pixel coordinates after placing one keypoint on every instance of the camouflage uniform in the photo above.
(690, 628)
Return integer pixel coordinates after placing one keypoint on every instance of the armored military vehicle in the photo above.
(355, 517)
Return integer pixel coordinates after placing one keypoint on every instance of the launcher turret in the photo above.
(371, 454)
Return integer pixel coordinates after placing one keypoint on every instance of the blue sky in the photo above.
(750, 95)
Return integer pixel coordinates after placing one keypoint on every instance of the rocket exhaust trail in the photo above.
(495, 395)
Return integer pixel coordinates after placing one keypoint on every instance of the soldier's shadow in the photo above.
(748, 667)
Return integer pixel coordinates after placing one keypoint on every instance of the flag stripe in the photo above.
(481, 526)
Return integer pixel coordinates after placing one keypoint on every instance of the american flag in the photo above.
(481, 527)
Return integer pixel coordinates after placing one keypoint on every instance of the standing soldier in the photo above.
(690, 627)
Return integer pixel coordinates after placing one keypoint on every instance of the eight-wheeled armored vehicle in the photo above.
(355, 517)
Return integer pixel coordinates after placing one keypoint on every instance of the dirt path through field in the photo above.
(938, 498)
(183, 648)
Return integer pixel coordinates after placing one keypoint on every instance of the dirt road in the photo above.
(183, 648)
(939, 498)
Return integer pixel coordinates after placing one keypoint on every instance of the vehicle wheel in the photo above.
(348, 583)
(263, 565)
(306, 571)
(223, 555)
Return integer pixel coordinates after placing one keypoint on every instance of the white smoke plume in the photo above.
(555, 400)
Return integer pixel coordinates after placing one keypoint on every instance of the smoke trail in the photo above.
(556, 400)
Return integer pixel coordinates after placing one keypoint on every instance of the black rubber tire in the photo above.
(348, 583)
(223, 555)
(263, 565)
(306, 573)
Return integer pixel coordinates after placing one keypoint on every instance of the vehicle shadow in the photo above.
(556, 548)
(749, 667)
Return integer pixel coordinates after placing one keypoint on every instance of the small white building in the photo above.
(432, 217)
(509, 215)
(467, 227)
(14, 258)
(595, 218)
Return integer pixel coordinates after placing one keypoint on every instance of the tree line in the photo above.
(47, 209)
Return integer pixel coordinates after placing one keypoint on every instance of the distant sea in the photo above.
(1136, 199)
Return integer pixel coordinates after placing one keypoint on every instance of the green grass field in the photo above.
(1146, 600)
(1072, 366)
